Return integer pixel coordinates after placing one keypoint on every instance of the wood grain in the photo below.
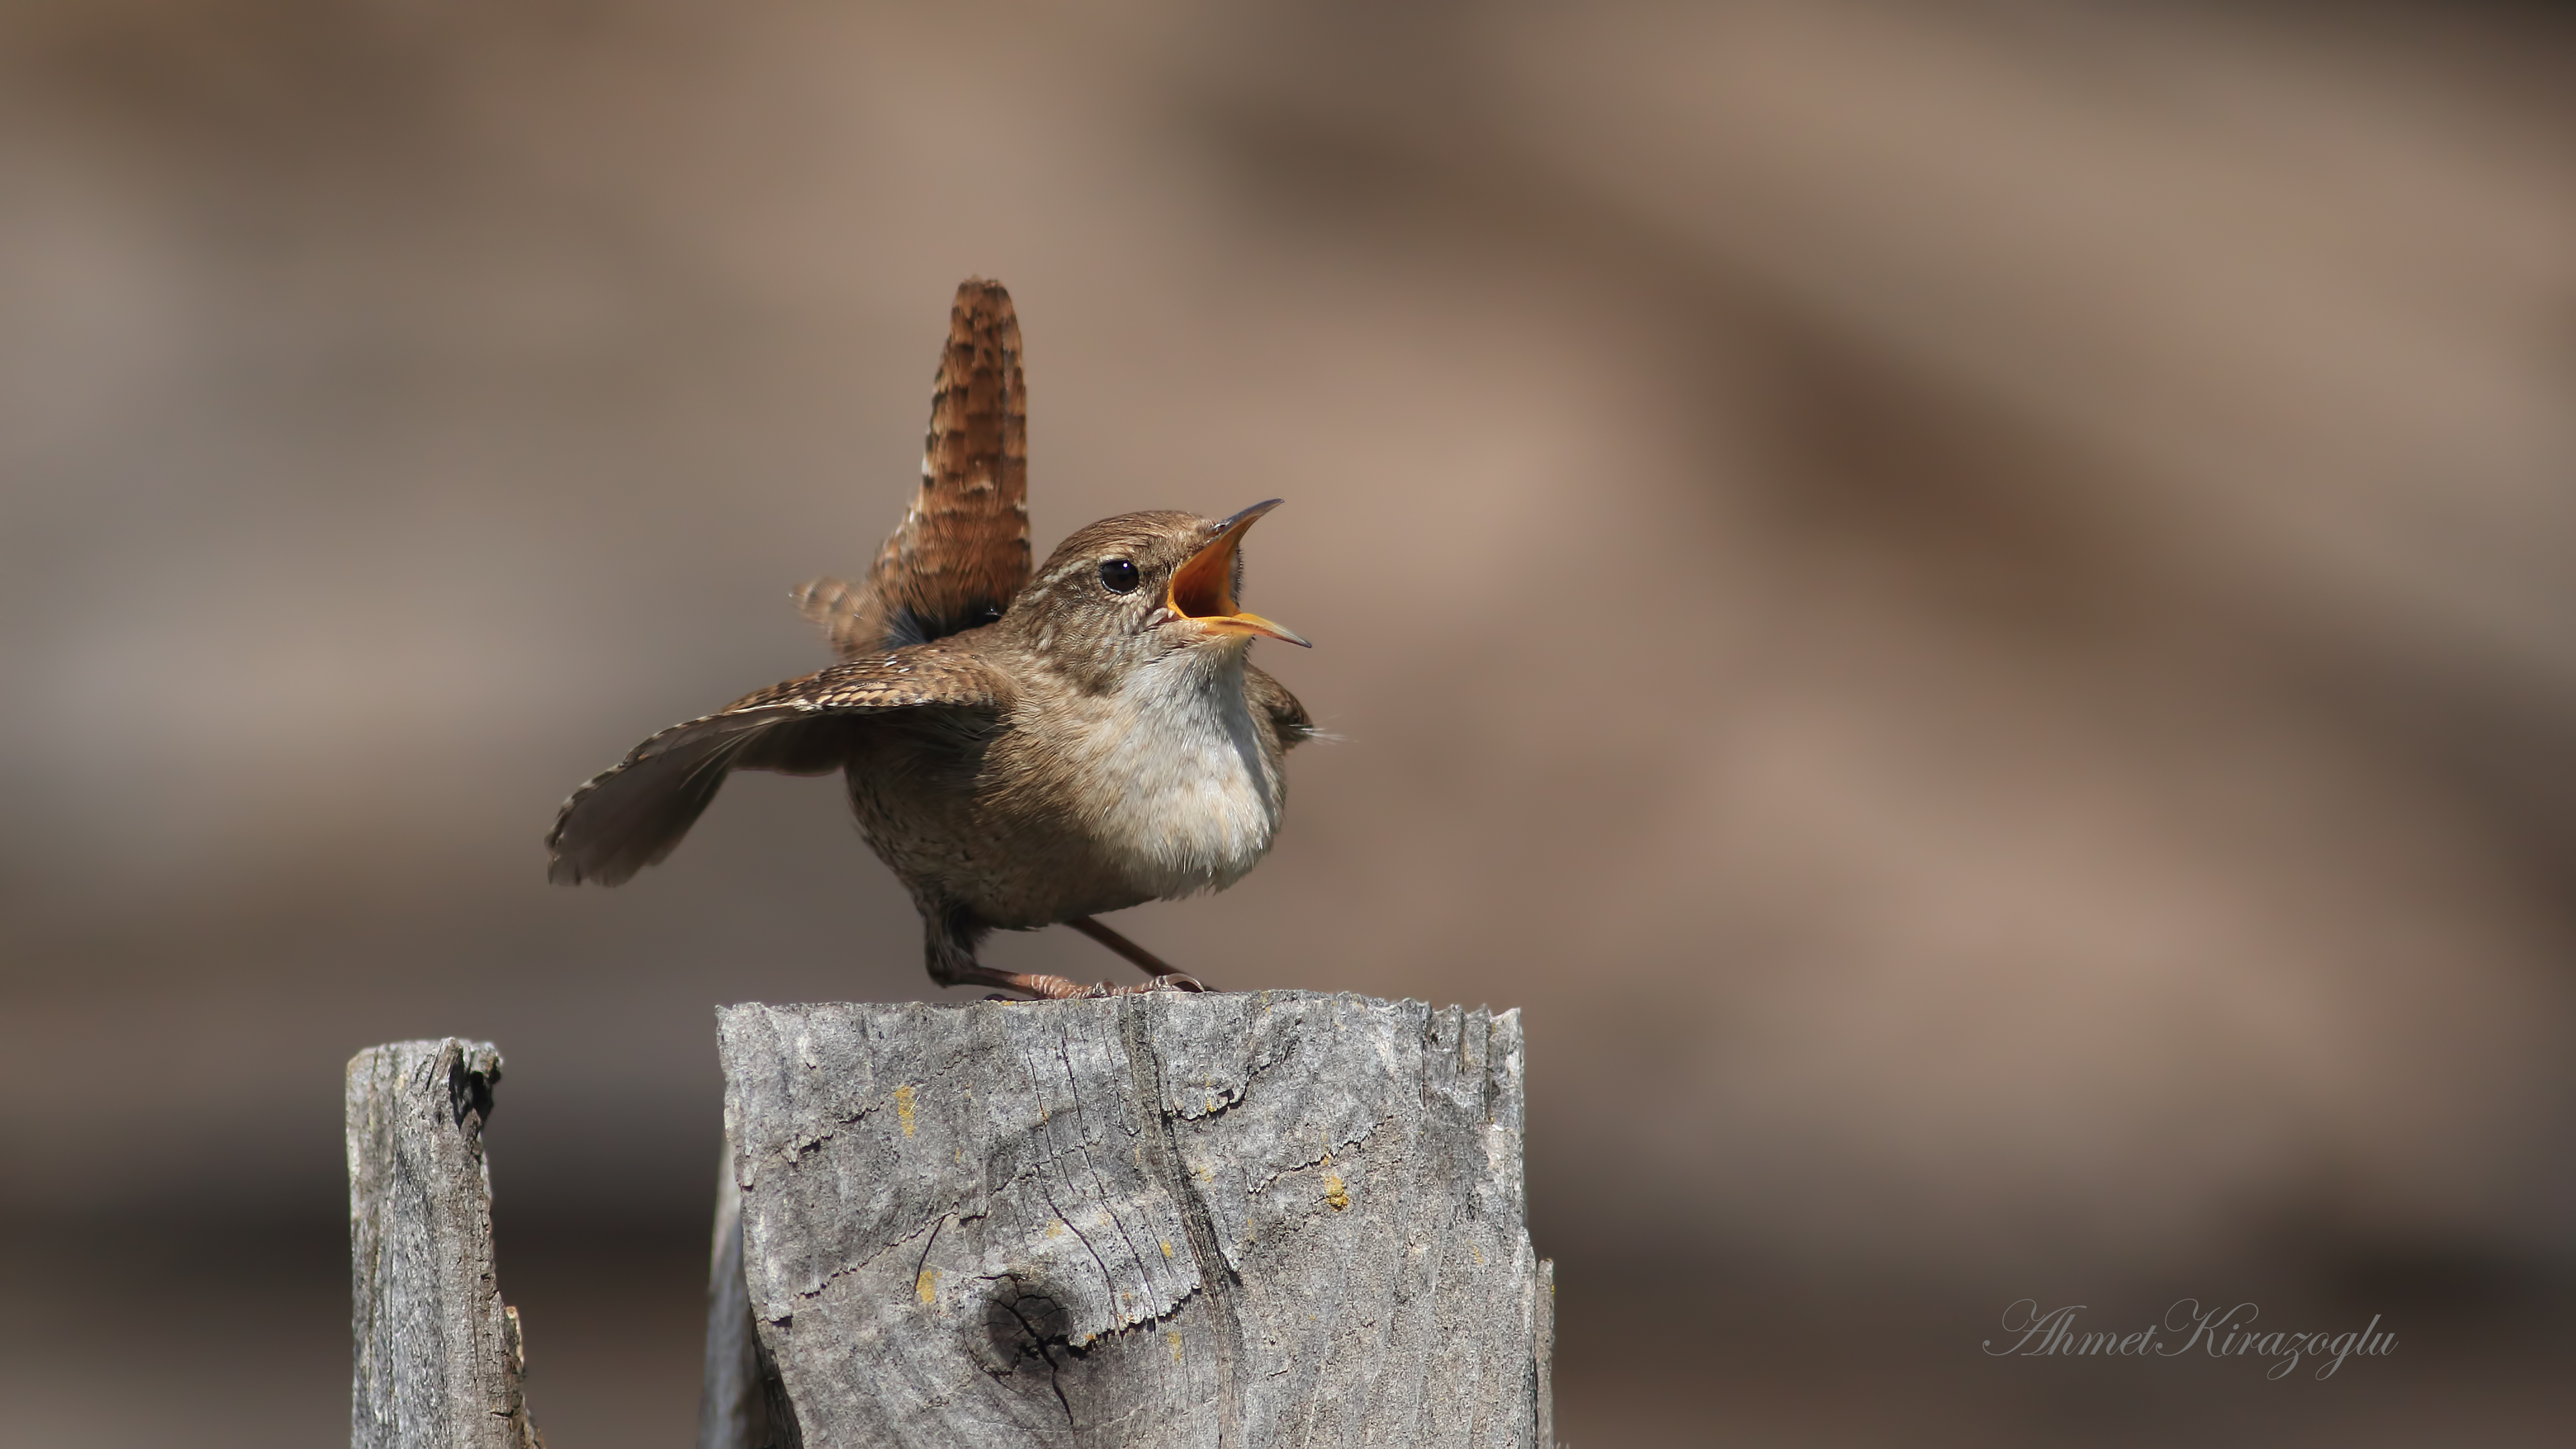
(438, 1356)
(1202, 1220)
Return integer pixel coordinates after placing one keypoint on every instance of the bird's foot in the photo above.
(1170, 981)
(1042, 987)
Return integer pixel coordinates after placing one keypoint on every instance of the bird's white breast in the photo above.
(1176, 787)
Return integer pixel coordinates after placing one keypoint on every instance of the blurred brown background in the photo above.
(1973, 606)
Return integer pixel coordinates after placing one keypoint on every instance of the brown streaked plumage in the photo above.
(962, 550)
(1021, 750)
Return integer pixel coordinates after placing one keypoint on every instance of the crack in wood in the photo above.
(1217, 1283)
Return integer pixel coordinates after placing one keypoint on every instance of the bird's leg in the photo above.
(1166, 975)
(951, 936)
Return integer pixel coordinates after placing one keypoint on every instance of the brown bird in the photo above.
(1021, 751)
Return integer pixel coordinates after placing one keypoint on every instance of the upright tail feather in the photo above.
(962, 550)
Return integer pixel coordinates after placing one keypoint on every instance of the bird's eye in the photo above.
(1118, 575)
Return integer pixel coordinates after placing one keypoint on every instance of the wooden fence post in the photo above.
(1159, 1221)
(1154, 1221)
(438, 1358)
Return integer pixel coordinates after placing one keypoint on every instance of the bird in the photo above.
(1021, 747)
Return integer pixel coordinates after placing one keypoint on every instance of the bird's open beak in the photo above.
(1203, 586)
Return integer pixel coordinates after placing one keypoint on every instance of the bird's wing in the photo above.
(1288, 718)
(962, 551)
(634, 814)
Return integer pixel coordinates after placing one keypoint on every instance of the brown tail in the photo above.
(963, 548)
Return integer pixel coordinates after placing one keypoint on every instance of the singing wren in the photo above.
(1021, 749)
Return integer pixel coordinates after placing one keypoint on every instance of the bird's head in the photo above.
(1143, 586)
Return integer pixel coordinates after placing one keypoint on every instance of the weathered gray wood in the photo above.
(742, 1405)
(728, 1400)
(1546, 1353)
(438, 1358)
(1155, 1221)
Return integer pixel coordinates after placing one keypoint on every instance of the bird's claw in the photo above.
(1057, 988)
(1168, 981)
